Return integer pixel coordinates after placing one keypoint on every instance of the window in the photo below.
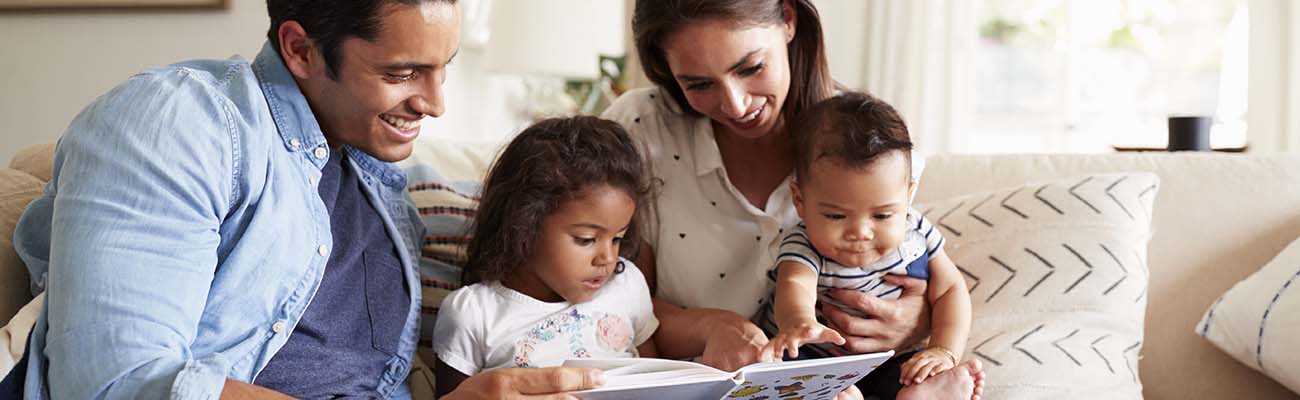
(1088, 75)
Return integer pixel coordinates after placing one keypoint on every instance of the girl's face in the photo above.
(577, 247)
(738, 76)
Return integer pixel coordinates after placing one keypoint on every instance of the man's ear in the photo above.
(798, 198)
(297, 50)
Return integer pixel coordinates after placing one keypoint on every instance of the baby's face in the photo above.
(855, 216)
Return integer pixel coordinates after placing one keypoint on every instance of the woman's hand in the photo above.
(527, 383)
(734, 342)
(892, 324)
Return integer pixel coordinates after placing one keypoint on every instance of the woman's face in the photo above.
(738, 76)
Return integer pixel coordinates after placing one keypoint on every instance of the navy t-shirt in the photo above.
(352, 326)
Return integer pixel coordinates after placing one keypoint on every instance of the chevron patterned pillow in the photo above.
(1258, 319)
(1057, 275)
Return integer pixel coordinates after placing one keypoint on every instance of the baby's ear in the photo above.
(798, 198)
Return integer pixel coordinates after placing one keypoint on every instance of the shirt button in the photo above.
(321, 153)
(322, 250)
(295, 143)
(278, 327)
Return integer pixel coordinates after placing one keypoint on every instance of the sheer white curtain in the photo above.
(1273, 119)
(919, 55)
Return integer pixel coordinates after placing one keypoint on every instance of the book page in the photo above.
(656, 376)
(819, 379)
(668, 391)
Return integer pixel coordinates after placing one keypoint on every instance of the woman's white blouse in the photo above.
(712, 247)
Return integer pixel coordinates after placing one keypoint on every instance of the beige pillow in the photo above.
(17, 189)
(1057, 275)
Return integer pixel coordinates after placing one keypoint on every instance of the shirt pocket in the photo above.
(387, 300)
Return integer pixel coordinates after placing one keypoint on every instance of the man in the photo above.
(235, 229)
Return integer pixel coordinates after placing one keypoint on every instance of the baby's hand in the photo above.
(790, 338)
(927, 363)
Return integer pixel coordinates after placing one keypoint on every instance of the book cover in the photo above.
(642, 378)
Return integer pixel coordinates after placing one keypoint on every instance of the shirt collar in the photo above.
(289, 109)
(297, 124)
(705, 148)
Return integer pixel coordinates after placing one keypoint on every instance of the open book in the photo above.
(652, 378)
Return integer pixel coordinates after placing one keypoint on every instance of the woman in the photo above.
(728, 75)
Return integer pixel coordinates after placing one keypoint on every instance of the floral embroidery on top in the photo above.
(570, 322)
(614, 333)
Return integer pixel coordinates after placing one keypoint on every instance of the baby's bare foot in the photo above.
(965, 381)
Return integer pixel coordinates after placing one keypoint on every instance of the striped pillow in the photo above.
(1257, 320)
(447, 209)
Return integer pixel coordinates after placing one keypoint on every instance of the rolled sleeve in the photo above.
(199, 380)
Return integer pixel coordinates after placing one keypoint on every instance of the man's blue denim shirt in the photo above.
(182, 235)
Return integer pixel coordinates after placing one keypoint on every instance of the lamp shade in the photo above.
(561, 38)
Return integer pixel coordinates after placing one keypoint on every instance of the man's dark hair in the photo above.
(851, 129)
(330, 22)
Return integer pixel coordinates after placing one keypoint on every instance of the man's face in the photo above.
(386, 86)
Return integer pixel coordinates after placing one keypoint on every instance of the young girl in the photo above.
(546, 276)
(853, 192)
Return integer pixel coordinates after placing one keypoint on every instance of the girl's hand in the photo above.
(808, 332)
(927, 363)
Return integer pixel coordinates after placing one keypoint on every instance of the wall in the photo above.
(54, 63)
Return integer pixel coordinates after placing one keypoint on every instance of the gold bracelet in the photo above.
(950, 354)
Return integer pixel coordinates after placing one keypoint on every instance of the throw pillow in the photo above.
(1257, 320)
(1057, 277)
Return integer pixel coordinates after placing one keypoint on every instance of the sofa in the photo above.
(1217, 218)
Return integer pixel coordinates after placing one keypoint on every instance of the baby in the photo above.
(853, 191)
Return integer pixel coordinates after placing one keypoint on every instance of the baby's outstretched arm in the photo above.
(950, 321)
(795, 310)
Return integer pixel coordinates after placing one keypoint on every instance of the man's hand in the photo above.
(527, 383)
(893, 324)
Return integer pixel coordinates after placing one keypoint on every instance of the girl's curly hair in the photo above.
(550, 162)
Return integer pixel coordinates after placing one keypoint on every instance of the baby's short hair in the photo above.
(852, 129)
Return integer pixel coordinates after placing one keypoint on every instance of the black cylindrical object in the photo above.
(1189, 133)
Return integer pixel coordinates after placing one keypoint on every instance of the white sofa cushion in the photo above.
(1058, 280)
(1258, 319)
(1218, 217)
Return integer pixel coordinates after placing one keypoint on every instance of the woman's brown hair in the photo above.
(653, 21)
(549, 163)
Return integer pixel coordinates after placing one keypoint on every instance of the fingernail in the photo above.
(598, 377)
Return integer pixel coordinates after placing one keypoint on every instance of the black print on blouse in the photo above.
(683, 235)
(720, 276)
(714, 203)
(637, 120)
(677, 157)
